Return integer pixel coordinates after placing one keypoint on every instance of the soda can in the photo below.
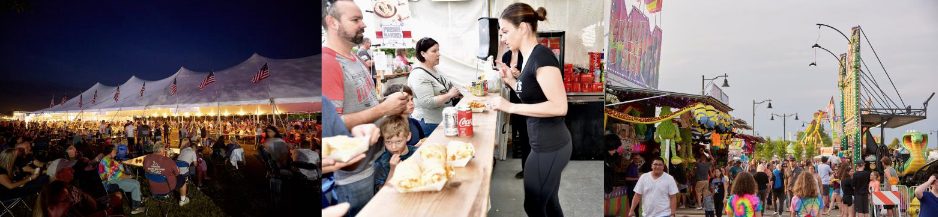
(485, 86)
(449, 122)
(464, 121)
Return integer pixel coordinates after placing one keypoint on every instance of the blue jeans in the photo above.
(427, 127)
(132, 186)
(357, 194)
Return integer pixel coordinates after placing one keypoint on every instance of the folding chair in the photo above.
(162, 199)
(111, 189)
(8, 206)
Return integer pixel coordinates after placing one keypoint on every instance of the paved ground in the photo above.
(581, 189)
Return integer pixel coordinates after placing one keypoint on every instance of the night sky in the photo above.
(64, 47)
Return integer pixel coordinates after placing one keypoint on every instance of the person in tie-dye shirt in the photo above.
(112, 172)
(744, 202)
(806, 201)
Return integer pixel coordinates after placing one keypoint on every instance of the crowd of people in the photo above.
(81, 168)
(802, 188)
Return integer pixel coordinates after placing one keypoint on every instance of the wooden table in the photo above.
(138, 161)
(466, 195)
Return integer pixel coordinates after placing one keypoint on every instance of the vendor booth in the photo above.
(467, 33)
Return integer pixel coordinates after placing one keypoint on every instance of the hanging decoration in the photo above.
(627, 117)
(687, 138)
(712, 119)
(716, 141)
(668, 134)
(640, 129)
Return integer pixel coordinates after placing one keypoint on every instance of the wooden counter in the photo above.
(466, 195)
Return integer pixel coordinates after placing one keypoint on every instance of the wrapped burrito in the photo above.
(459, 153)
(433, 152)
(407, 175)
(343, 148)
(432, 172)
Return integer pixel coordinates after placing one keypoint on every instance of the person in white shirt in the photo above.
(101, 128)
(186, 154)
(656, 191)
(131, 132)
(824, 171)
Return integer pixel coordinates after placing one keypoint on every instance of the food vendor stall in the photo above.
(577, 43)
(467, 192)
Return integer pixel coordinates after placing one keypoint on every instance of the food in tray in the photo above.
(477, 106)
(407, 175)
(433, 151)
(459, 153)
(343, 148)
(432, 172)
(418, 174)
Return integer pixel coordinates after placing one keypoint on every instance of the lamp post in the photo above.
(784, 120)
(819, 25)
(832, 54)
(754, 103)
(705, 79)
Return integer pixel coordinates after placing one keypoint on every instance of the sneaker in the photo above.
(184, 202)
(520, 175)
(699, 208)
(138, 210)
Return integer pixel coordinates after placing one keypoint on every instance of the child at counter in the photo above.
(397, 129)
(394, 136)
(416, 132)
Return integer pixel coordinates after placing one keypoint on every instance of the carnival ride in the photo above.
(864, 104)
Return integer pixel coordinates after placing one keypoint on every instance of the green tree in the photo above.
(810, 149)
(781, 148)
(799, 149)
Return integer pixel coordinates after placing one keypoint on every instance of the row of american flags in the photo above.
(261, 74)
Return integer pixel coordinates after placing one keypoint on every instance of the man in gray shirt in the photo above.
(364, 53)
(349, 86)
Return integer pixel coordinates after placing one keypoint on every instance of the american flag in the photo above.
(261, 75)
(52, 102)
(117, 93)
(142, 88)
(208, 80)
(95, 97)
(172, 87)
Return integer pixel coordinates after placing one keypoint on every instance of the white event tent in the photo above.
(293, 87)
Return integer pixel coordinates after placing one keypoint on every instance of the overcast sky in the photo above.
(765, 47)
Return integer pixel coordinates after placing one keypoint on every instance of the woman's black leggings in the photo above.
(718, 204)
(542, 181)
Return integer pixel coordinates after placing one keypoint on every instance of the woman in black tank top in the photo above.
(543, 102)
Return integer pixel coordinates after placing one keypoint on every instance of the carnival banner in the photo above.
(634, 47)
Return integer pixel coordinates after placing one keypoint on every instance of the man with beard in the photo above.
(345, 79)
(348, 85)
